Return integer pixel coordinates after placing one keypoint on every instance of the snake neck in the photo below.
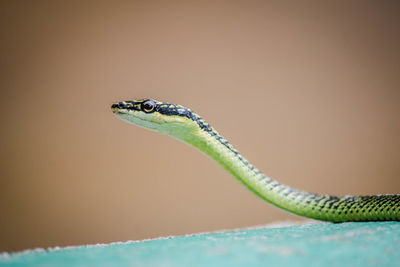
(321, 207)
(217, 147)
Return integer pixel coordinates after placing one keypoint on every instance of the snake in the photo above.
(184, 124)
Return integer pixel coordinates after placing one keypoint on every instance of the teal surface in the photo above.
(324, 244)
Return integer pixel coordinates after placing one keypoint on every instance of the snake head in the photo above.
(124, 107)
(168, 118)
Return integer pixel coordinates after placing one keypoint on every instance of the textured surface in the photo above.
(324, 244)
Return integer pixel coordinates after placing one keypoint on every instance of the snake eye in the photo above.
(148, 106)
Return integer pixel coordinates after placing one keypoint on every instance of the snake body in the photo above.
(182, 123)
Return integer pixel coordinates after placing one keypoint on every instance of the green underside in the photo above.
(324, 244)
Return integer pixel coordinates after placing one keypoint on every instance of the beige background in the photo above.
(307, 92)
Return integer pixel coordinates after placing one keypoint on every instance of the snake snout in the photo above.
(119, 105)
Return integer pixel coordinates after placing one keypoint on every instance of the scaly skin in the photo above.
(185, 125)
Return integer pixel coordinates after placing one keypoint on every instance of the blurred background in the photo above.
(308, 92)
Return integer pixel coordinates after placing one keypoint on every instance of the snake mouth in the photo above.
(117, 111)
(115, 108)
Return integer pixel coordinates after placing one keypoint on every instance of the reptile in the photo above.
(184, 124)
